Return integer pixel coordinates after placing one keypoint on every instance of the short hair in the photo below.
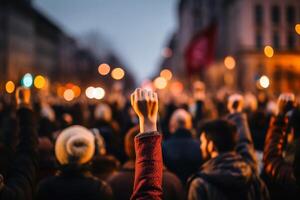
(129, 142)
(223, 133)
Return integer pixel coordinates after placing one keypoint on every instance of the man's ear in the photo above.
(210, 146)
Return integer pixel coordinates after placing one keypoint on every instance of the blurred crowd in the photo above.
(222, 145)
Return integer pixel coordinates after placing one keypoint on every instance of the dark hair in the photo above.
(223, 133)
(129, 142)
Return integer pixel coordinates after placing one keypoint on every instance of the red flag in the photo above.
(201, 50)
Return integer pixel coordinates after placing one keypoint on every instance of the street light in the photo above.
(269, 51)
(160, 83)
(104, 69)
(229, 62)
(89, 92)
(27, 80)
(69, 95)
(39, 82)
(264, 81)
(297, 28)
(118, 73)
(167, 74)
(10, 87)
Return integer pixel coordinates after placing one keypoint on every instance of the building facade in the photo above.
(244, 28)
(32, 43)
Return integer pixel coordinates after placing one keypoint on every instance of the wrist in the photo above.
(147, 126)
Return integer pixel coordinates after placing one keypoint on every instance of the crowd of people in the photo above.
(151, 145)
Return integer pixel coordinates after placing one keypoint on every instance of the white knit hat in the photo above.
(75, 142)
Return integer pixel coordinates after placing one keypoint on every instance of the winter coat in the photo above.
(182, 154)
(20, 181)
(148, 167)
(122, 184)
(73, 184)
(231, 175)
(278, 173)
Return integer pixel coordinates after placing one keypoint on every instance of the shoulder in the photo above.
(198, 188)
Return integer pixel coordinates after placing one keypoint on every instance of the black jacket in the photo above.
(20, 181)
(122, 184)
(232, 175)
(182, 154)
(278, 173)
(73, 184)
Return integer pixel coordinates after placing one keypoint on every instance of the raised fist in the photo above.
(286, 102)
(235, 103)
(23, 96)
(145, 105)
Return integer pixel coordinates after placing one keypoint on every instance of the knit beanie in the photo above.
(75, 144)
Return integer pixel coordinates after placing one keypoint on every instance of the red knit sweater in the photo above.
(148, 167)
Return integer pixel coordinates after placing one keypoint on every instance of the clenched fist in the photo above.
(286, 102)
(23, 96)
(145, 105)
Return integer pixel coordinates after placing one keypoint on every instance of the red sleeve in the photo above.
(148, 167)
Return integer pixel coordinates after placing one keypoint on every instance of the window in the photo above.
(291, 41)
(275, 15)
(276, 40)
(291, 14)
(258, 15)
(259, 41)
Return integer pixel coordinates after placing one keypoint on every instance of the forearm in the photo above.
(149, 167)
(273, 152)
(244, 145)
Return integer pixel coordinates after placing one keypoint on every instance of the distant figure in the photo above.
(122, 182)
(74, 149)
(181, 152)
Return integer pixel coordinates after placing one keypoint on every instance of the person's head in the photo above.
(75, 145)
(180, 119)
(218, 136)
(129, 142)
(103, 112)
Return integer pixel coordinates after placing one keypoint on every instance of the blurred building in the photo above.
(31, 42)
(244, 29)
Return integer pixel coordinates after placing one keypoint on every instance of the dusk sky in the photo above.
(136, 29)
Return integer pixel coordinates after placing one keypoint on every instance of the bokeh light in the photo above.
(160, 83)
(104, 69)
(167, 74)
(117, 73)
(229, 62)
(89, 92)
(98, 93)
(27, 80)
(69, 95)
(77, 91)
(269, 51)
(10, 87)
(39, 82)
(297, 28)
(176, 88)
(264, 82)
